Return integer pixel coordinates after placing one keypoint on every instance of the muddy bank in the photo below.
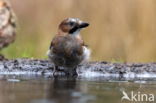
(92, 69)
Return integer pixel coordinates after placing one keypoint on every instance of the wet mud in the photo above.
(91, 69)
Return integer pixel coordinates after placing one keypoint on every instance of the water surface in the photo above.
(44, 89)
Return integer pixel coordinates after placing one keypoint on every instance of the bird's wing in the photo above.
(51, 45)
(54, 41)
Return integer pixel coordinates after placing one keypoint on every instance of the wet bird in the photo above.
(67, 49)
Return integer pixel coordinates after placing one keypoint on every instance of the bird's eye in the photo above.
(71, 23)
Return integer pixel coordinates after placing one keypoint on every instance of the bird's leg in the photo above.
(68, 72)
(58, 72)
(74, 72)
(71, 72)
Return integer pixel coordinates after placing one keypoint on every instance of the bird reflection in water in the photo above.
(62, 89)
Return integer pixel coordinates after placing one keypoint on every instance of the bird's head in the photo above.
(72, 26)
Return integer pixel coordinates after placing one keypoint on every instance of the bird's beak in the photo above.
(83, 25)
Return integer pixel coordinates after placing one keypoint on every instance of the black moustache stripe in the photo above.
(73, 30)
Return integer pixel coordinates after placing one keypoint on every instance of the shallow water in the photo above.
(43, 89)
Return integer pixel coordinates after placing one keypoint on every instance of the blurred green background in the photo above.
(120, 30)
